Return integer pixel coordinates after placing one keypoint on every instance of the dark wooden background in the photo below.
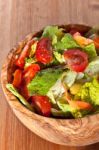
(17, 19)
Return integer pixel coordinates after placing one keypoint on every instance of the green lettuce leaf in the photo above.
(59, 57)
(56, 91)
(54, 33)
(66, 42)
(90, 50)
(29, 61)
(44, 80)
(89, 92)
(93, 67)
(11, 88)
(70, 77)
(64, 106)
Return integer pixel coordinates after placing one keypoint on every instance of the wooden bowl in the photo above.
(71, 132)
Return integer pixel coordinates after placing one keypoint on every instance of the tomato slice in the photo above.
(96, 42)
(30, 72)
(44, 51)
(76, 59)
(42, 105)
(17, 78)
(25, 53)
(44, 43)
(43, 56)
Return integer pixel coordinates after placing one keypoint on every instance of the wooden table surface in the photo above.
(17, 19)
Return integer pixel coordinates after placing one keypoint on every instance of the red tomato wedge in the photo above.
(44, 51)
(17, 78)
(96, 42)
(30, 72)
(25, 53)
(76, 59)
(44, 43)
(42, 105)
(43, 56)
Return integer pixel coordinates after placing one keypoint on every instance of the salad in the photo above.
(57, 73)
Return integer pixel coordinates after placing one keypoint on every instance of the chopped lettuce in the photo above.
(54, 40)
(56, 91)
(66, 42)
(64, 106)
(29, 61)
(59, 57)
(70, 78)
(44, 80)
(93, 67)
(54, 33)
(80, 75)
(89, 92)
(90, 50)
(11, 88)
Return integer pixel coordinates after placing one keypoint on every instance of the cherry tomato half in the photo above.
(17, 78)
(25, 53)
(96, 42)
(76, 59)
(44, 43)
(44, 51)
(30, 72)
(42, 105)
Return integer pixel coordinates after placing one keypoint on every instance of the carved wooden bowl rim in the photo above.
(71, 132)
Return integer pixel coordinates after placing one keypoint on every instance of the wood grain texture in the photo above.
(17, 19)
